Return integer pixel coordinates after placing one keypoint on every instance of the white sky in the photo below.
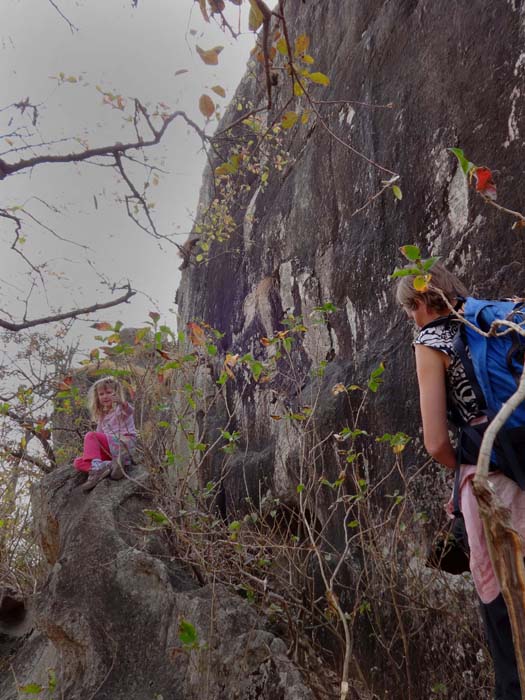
(134, 53)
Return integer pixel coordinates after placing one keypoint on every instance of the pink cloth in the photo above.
(513, 498)
(118, 422)
(96, 446)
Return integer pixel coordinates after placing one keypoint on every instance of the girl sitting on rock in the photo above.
(108, 449)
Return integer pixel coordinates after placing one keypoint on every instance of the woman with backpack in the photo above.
(445, 389)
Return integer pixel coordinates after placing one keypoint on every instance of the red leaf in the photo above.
(102, 326)
(65, 384)
(485, 183)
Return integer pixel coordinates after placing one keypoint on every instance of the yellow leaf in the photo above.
(211, 56)
(229, 363)
(301, 44)
(72, 79)
(197, 334)
(255, 18)
(289, 119)
(297, 89)
(219, 90)
(421, 282)
(338, 389)
(281, 46)
(397, 192)
(206, 106)
(319, 78)
(308, 59)
(305, 117)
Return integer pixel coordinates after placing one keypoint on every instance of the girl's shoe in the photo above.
(94, 476)
(117, 469)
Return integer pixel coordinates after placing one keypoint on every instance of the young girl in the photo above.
(442, 381)
(107, 450)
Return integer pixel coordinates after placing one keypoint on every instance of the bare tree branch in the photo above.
(67, 314)
(71, 25)
(24, 456)
(27, 424)
(103, 151)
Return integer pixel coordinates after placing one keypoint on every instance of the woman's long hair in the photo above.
(442, 279)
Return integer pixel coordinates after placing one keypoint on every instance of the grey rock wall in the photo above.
(454, 73)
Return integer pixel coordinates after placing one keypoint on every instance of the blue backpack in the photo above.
(493, 367)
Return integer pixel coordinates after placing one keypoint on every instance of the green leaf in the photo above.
(319, 78)
(328, 308)
(234, 526)
(396, 191)
(411, 252)
(188, 635)
(157, 516)
(257, 369)
(31, 689)
(375, 378)
(463, 161)
(404, 272)
(51, 679)
(430, 262)
(222, 379)
(300, 488)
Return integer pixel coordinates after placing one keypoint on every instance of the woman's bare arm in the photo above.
(431, 366)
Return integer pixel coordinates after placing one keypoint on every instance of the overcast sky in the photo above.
(133, 53)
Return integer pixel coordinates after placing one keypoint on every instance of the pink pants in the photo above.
(96, 446)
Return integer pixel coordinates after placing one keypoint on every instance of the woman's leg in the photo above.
(95, 447)
(499, 637)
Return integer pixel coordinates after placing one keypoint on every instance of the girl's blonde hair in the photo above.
(441, 278)
(94, 405)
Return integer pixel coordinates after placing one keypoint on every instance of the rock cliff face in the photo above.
(308, 238)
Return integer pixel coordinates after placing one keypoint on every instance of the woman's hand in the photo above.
(431, 367)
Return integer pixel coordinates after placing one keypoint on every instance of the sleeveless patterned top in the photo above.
(459, 390)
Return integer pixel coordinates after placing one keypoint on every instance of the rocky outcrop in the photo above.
(107, 621)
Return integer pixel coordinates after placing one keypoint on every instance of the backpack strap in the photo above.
(460, 346)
